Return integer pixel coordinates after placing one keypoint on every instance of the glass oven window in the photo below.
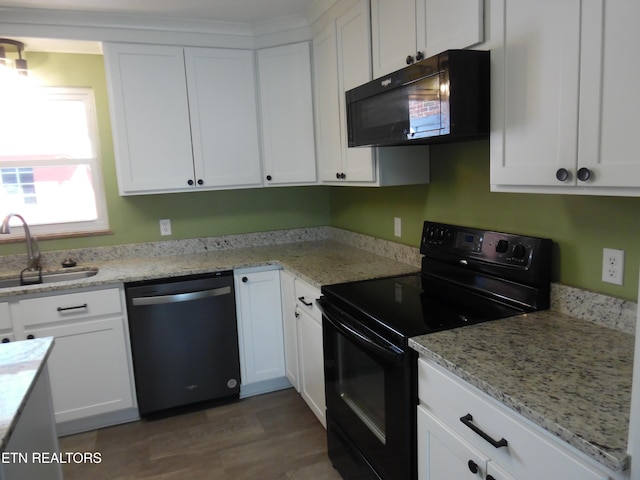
(361, 386)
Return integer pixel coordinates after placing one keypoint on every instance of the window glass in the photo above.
(49, 165)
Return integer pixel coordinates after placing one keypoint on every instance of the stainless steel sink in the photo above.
(48, 277)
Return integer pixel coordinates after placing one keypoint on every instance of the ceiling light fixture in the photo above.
(8, 45)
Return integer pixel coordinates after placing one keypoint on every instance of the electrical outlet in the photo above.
(612, 266)
(397, 226)
(165, 227)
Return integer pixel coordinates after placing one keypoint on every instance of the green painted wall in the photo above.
(459, 193)
(198, 214)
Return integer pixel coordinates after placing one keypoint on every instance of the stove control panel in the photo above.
(466, 244)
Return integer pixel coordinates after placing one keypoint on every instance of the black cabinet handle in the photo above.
(409, 60)
(269, 177)
(584, 174)
(30, 337)
(468, 419)
(5, 340)
(200, 181)
(77, 307)
(190, 182)
(473, 466)
(341, 175)
(305, 303)
(245, 279)
(491, 477)
(562, 174)
(419, 56)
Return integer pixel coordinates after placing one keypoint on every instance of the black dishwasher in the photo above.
(184, 340)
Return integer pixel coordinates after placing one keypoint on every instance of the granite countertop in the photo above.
(569, 376)
(320, 263)
(20, 366)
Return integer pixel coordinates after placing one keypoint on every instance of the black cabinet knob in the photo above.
(245, 279)
(200, 182)
(5, 340)
(491, 477)
(419, 56)
(584, 174)
(30, 337)
(473, 466)
(409, 59)
(190, 182)
(269, 177)
(562, 174)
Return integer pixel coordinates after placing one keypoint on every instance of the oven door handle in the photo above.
(388, 351)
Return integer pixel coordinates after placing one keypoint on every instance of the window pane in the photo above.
(57, 194)
(46, 128)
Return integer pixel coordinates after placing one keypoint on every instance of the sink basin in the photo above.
(49, 277)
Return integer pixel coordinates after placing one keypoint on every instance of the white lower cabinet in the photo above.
(260, 335)
(303, 342)
(33, 435)
(89, 366)
(447, 445)
(6, 327)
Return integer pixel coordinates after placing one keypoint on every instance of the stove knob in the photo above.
(502, 246)
(519, 251)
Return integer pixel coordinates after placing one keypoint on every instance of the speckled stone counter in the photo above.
(20, 366)
(319, 262)
(569, 376)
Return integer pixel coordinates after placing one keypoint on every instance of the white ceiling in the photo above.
(241, 11)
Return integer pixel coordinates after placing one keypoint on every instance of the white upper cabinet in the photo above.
(287, 115)
(224, 117)
(183, 118)
(342, 61)
(562, 116)
(406, 31)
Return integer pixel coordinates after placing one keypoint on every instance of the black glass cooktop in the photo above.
(411, 305)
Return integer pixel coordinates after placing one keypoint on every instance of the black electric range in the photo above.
(468, 276)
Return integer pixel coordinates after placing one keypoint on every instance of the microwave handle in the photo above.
(389, 351)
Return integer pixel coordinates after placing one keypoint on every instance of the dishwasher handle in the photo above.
(180, 297)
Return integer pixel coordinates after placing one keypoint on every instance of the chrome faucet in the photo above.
(33, 252)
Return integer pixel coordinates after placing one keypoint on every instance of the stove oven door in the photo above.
(371, 400)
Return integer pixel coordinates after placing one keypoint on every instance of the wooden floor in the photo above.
(272, 436)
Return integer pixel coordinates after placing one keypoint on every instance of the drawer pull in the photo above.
(77, 307)
(305, 303)
(468, 419)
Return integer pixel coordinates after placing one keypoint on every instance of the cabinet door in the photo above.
(259, 326)
(448, 24)
(150, 117)
(224, 121)
(393, 25)
(327, 105)
(312, 365)
(287, 114)
(354, 69)
(534, 98)
(290, 328)
(88, 367)
(443, 455)
(608, 102)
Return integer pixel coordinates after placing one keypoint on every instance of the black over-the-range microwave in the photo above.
(444, 98)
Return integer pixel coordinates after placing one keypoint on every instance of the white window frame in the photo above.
(85, 95)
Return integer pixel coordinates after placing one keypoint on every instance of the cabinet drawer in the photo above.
(306, 297)
(36, 311)
(529, 454)
(5, 317)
